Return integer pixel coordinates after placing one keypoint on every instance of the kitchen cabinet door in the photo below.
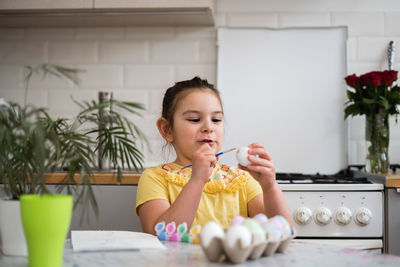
(393, 220)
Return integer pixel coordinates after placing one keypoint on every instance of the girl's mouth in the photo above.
(207, 141)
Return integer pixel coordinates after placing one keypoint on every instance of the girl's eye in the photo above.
(216, 120)
(193, 120)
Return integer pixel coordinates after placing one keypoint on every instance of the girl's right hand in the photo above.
(203, 163)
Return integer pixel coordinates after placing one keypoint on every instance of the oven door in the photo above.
(375, 245)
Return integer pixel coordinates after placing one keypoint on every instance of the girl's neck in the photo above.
(182, 163)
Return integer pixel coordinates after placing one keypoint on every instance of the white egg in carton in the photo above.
(246, 238)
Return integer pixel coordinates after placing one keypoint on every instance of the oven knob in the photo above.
(363, 216)
(343, 216)
(303, 215)
(323, 216)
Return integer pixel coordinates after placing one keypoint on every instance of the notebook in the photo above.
(113, 240)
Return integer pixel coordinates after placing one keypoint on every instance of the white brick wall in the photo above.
(139, 63)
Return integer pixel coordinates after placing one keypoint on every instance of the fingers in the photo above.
(260, 169)
(260, 161)
(260, 150)
(205, 154)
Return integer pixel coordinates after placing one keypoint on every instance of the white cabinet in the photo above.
(57, 13)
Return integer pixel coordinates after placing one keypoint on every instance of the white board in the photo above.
(285, 89)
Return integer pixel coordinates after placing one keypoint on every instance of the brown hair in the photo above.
(178, 91)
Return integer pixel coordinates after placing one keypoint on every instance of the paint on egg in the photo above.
(237, 220)
(254, 228)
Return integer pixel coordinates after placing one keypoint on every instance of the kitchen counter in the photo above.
(393, 181)
(299, 253)
(99, 178)
(132, 178)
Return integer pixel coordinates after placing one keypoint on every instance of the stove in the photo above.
(346, 208)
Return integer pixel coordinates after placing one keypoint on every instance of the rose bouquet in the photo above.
(376, 96)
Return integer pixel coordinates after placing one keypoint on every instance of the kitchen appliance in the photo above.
(344, 209)
(287, 92)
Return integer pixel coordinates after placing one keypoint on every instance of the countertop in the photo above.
(299, 253)
(99, 178)
(393, 181)
(130, 178)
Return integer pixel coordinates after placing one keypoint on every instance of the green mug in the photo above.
(46, 220)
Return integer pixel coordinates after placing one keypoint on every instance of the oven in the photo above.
(346, 209)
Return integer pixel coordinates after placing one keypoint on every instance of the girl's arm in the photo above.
(182, 210)
(275, 204)
(185, 206)
(272, 202)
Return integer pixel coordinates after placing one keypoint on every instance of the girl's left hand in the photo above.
(261, 168)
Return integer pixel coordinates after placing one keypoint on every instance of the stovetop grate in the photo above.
(343, 177)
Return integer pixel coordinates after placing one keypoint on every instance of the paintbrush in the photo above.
(218, 154)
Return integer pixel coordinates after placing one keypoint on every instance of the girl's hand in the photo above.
(203, 163)
(261, 167)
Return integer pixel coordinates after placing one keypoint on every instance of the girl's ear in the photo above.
(165, 129)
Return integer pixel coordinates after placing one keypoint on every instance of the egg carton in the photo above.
(219, 249)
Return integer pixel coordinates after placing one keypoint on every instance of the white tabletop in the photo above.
(299, 253)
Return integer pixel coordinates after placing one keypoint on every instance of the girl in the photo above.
(192, 121)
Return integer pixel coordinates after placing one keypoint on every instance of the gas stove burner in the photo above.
(343, 177)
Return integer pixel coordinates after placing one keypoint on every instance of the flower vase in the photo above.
(377, 143)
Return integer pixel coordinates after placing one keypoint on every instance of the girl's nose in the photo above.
(207, 126)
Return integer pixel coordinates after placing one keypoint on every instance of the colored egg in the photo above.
(210, 231)
(238, 233)
(261, 218)
(237, 220)
(254, 228)
(241, 156)
(283, 225)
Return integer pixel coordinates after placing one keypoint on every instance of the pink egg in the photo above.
(237, 220)
(261, 218)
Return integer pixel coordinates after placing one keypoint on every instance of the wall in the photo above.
(138, 64)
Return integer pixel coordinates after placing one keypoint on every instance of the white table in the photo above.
(181, 254)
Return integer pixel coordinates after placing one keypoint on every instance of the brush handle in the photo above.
(218, 154)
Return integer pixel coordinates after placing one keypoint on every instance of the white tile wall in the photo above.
(139, 63)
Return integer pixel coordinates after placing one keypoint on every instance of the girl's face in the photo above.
(198, 119)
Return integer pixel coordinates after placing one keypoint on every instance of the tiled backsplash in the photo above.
(138, 64)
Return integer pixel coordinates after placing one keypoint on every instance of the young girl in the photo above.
(192, 122)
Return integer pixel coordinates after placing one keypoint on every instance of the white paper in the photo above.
(113, 240)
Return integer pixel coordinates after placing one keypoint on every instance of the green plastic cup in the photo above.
(46, 220)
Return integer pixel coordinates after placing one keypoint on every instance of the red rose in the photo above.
(388, 77)
(372, 79)
(352, 81)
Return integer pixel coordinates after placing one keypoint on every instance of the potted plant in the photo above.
(32, 144)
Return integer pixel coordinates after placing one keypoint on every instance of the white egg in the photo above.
(241, 156)
(238, 232)
(210, 231)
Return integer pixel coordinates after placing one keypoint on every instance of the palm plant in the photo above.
(32, 143)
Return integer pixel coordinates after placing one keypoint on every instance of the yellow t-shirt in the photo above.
(225, 196)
